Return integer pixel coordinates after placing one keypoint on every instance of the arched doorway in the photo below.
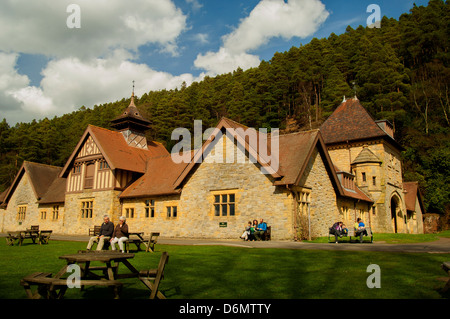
(396, 215)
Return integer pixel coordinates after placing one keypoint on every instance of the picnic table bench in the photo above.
(352, 232)
(42, 236)
(138, 239)
(55, 287)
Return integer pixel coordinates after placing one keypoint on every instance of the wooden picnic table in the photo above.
(42, 236)
(55, 287)
(136, 238)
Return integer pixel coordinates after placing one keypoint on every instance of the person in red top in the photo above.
(120, 234)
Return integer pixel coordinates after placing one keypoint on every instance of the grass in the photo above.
(218, 272)
(398, 238)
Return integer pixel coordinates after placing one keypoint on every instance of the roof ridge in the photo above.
(41, 164)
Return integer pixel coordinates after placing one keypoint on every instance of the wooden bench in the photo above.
(44, 236)
(36, 279)
(95, 231)
(153, 239)
(152, 277)
(267, 234)
(12, 237)
(47, 287)
(446, 267)
(350, 233)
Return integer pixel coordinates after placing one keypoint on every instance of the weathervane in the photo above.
(133, 87)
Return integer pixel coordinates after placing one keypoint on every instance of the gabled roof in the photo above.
(413, 194)
(116, 151)
(41, 178)
(351, 122)
(243, 135)
(295, 151)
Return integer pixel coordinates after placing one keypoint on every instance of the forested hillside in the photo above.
(399, 72)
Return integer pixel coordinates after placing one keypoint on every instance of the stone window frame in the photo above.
(171, 211)
(55, 212)
(218, 203)
(129, 212)
(86, 210)
(21, 212)
(303, 197)
(149, 208)
(43, 214)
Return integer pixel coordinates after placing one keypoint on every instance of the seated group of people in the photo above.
(339, 230)
(255, 230)
(108, 233)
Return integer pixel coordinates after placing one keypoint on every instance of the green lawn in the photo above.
(398, 238)
(218, 272)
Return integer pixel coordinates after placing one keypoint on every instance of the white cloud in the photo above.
(70, 83)
(90, 65)
(39, 27)
(269, 19)
(225, 61)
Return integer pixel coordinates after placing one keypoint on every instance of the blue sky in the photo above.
(48, 69)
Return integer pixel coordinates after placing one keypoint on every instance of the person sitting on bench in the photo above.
(120, 234)
(106, 231)
(360, 229)
(260, 230)
(336, 230)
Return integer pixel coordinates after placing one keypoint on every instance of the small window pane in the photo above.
(224, 198)
(224, 209)
(217, 210)
(231, 209)
(232, 198)
(217, 199)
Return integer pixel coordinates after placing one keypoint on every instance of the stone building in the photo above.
(316, 178)
(366, 150)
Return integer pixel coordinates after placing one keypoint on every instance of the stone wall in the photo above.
(104, 203)
(323, 206)
(23, 196)
(256, 197)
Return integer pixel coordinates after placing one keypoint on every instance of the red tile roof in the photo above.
(158, 180)
(116, 151)
(412, 194)
(351, 122)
